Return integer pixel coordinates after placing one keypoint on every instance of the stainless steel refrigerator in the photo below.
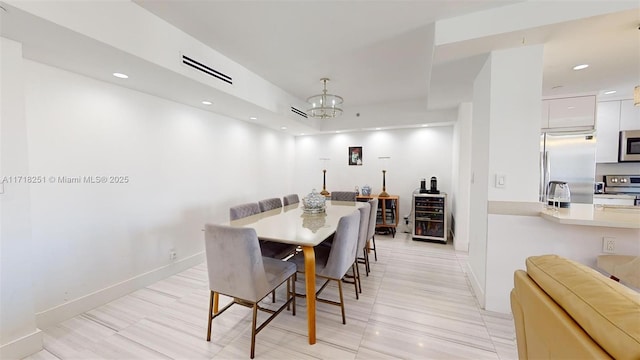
(569, 157)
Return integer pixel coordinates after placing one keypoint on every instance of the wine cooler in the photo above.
(430, 217)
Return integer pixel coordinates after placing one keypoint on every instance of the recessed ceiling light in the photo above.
(253, 118)
(205, 102)
(378, 128)
(609, 92)
(283, 128)
(121, 75)
(424, 125)
(581, 66)
(337, 131)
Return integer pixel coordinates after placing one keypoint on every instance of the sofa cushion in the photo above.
(607, 311)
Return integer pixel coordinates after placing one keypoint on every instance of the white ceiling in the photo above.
(378, 54)
(382, 51)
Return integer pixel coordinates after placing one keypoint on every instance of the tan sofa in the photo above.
(565, 310)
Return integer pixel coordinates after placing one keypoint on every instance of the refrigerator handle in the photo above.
(545, 176)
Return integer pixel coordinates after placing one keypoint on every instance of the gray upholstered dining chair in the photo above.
(332, 263)
(363, 233)
(269, 204)
(344, 195)
(290, 199)
(237, 269)
(269, 248)
(243, 210)
(371, 235)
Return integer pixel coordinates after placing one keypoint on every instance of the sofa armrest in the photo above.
(607, 311)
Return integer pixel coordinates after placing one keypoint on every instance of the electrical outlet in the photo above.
(609, 244)
(172, 254)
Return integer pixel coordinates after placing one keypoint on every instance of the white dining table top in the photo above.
(291, 225)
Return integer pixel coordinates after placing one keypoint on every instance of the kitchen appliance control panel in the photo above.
(622, 180)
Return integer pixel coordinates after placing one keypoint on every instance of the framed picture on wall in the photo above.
(355, 155)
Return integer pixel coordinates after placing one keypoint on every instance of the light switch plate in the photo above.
(501, 180)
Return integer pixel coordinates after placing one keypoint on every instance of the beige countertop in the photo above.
(589, 215)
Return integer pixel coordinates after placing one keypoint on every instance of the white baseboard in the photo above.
(22, 347)
(85, 303)
(459, 245)
(475, 285)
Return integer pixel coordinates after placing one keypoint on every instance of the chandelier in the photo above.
(324, 105)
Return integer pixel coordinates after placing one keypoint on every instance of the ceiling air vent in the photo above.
(299, 112)
(206, 69)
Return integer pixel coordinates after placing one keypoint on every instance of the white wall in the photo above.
(514, 149)
(479, 178)
(19, 336)
(524, 236)
(415, 154)
(505, 140)
(462, 176)
(184, 166)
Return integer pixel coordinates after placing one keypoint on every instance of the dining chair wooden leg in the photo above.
(366, 262)
(273, 296)
(344, 319)
(288, 291)
(253, 330)
(375, 252)
(216, 301)
(212, 295)
(293, 293)
(358, 276)
(355, 279)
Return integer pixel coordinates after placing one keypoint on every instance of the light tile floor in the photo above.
(416, 304)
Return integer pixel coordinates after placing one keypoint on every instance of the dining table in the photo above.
(292, 225)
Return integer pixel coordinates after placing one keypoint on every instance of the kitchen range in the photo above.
(619, 190)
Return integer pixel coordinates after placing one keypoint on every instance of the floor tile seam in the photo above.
(97, 321)
(162, 292)
(452, 334)
(377, 290)
(462, 263)
(319, 340)
(52, 354)
(454, 320)
(423, 335)
(142, 345)
(173, 298)
(208, 350)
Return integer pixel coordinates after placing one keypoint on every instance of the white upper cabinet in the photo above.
(607, 128)
(629, 115)
(569, 113)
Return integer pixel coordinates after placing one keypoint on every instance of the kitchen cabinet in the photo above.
(607, 129)
(629, 115)
(612, 117)
(572, 113)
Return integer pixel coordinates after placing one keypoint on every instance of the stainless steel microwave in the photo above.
(629, 146)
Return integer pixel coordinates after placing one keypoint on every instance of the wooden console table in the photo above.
(388, 211)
